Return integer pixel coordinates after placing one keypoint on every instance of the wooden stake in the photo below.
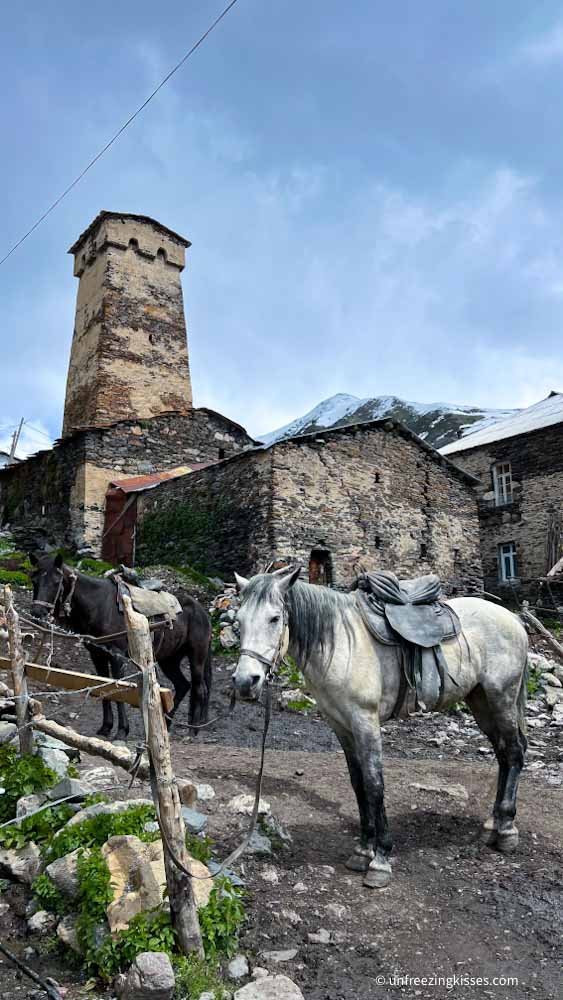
(90, 744)
(165, 793)
(19, 682)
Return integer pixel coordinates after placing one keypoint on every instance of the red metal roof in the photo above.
(135, 484)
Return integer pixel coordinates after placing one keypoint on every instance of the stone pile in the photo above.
(224, 610)
(550, 688)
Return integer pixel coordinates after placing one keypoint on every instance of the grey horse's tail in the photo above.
(522, 699)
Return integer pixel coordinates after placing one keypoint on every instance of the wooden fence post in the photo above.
(180, 892)
(17, 657)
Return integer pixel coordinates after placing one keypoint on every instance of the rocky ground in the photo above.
(455, 907)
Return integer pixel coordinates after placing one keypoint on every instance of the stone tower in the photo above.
(129, 355)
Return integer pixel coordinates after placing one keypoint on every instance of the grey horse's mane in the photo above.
(313, 612)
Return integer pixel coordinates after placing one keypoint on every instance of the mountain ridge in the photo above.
(436, 423)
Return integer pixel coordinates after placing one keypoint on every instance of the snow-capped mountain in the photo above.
(437, 423)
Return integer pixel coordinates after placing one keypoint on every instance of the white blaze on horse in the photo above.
(356, 682)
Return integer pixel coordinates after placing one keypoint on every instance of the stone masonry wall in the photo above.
(376, 500)
(373, 498)
(536, 461)
(217, 519)
(129, 356)
(60, 495)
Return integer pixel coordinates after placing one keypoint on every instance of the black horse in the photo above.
(88, 605)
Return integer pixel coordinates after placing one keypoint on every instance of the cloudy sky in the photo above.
(374, 194)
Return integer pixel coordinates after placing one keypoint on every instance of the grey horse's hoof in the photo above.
(378, 878)
(489, 832)
(358, 863)
(507, 840)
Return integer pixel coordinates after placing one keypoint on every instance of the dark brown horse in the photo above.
(88, 605)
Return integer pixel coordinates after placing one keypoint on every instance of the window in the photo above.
(221, 454)
(423, 550)
(378, 541)
(508, 568)
(502, 480)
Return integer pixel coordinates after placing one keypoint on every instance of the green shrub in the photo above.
(21, 775)
(199, 847)
(48, 896)
(533, 683)
(95, 893)
(221, 920)
(291, 674)
(14, 578)
(39, 829)
(96, 830)
(94, 567)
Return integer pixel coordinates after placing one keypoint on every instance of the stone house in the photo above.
(519, 464)
(370, 495)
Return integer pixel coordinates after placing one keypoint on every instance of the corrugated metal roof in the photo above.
(135, 484)
(543, 414)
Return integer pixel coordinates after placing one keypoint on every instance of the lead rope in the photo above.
(256, 807)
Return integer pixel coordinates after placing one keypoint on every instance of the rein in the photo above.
(67, 603)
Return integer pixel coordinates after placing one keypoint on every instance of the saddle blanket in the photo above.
(152, 603)
(413, 616)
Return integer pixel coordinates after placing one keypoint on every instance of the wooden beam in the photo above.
(91, 744)
(71, 680)
(540, 627)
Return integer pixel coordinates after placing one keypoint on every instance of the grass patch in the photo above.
(533, 683)
(199, 847)
(300, 705)
(21, 775)
(14, 578)
(290, 673)
(195, 976)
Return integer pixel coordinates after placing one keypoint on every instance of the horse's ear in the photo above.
(58, 560)
(289, 577)
(242, 583)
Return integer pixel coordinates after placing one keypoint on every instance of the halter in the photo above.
(272, 664)
(67, 604)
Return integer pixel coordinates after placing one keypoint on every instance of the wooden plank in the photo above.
(71, 680)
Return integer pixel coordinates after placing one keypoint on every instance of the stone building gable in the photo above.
(536, 461)
(129, 355)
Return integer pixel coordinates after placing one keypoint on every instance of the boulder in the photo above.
(321, 937)
(111, 808)
(66, 932)
(228, 637)
(138, 879)
(79, 790)
(41, 923)
(553, 696)
(188, 792)
(52, 743)
(270, 988)
(29, 804)
(204, 793)
(100, 777)
(151, 977)
(238, 967)
(8, 730)
(22, 865)
(57, 760)
(259, 844)
(245, 804)
(280, 956)
(453, 791)
(194, 820)
(64, 873)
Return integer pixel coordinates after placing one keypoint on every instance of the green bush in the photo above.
(96, 830)
(95, 893)
(21, 775)
(94, 567)
(48, 896)
(199, 847)
(14, 578)
(195, 976)
(221, 920)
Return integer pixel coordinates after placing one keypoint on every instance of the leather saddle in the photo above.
(412, 615)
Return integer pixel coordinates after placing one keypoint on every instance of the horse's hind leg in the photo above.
(199, 654)
(501, 726)
(171, 666)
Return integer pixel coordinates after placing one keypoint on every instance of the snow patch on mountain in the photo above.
(436, 423)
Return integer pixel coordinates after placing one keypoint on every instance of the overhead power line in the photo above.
(38, 430)
(125, 125)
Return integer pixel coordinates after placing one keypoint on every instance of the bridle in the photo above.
(67, 603)
(272, 665)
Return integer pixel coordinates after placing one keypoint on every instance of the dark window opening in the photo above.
(133, 244)
(151, 338)
(377, 477)
(221, 453)
(377, 542)
(423, 550)
(161, 254)
(320, 566)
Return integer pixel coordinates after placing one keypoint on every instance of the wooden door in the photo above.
(118, 543)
